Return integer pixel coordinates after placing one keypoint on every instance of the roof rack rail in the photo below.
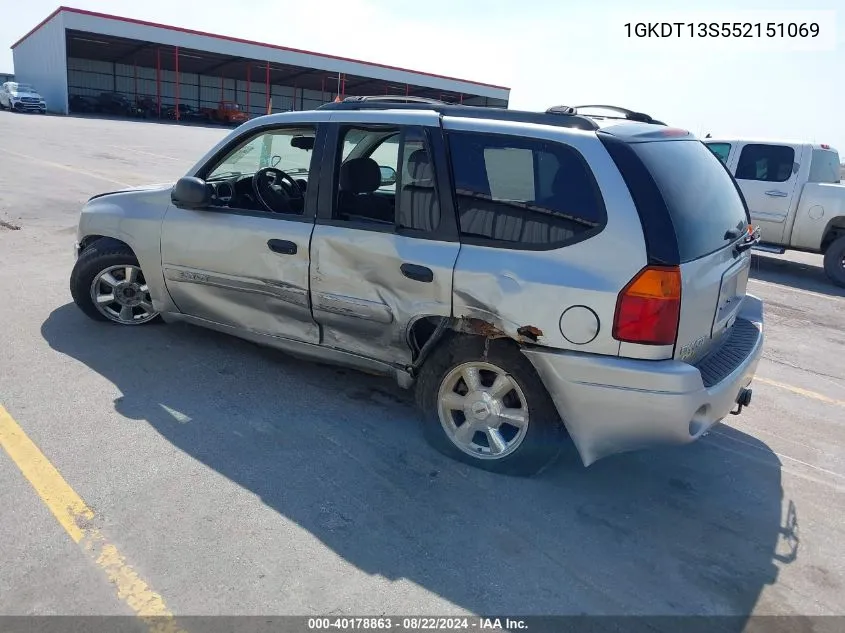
(627, 114)
(392, 99)
(561, 116)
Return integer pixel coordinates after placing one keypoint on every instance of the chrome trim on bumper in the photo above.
(613, 405)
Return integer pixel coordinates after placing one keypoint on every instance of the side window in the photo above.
(721, 150)
(386, 178)
(769, 163)
(287, 150)
(519, 191)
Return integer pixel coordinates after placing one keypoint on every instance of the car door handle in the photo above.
(285, 247)
(417, 272)
(777, 194)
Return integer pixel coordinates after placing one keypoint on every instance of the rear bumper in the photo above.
(612, 405)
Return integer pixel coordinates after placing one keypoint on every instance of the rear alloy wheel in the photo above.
(834, 261)
(488, 408)
(482, 410)
(107, 284)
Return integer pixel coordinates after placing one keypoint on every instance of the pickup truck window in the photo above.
(721, 150)
(825, 166)
(769, 163)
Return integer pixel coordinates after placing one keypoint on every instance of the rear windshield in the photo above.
(703, 201)
(825, 166)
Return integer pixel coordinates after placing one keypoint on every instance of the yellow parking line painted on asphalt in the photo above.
(801, 392)
(75, 170)
(74, 515)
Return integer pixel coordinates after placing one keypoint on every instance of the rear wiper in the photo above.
(734, 234)
(751, 240)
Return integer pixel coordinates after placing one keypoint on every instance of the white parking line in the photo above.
(75, 170)
(801, 291)
(140, 151)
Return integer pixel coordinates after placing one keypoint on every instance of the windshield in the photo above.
(825, 166)
(703, 200)
(21, 87)
(270, 149)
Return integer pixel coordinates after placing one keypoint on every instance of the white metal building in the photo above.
(78, 52)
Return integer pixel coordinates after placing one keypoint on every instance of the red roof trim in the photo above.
(245, 41)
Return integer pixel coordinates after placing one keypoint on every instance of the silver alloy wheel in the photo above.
(482, 410)
(121, 295)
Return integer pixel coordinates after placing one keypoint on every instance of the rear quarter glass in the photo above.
(702, 199)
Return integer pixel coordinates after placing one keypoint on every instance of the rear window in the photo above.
(702, 199)
(825, 166)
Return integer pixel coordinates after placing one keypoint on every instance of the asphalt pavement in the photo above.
(236, 480)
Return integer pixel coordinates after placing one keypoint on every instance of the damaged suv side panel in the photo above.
(533, 290)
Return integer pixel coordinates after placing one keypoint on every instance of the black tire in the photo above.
(95, 258)
(834, 261)
(546, 434)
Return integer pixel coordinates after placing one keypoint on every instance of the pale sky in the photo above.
(547, 51)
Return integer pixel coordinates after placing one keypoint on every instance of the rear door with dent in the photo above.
(382, 253)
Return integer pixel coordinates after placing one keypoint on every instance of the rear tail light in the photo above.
(648, 308)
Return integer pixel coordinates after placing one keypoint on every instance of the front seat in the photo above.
(359, 179)
(418, 205)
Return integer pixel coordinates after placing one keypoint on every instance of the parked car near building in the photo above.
(795, 195)
(83, 104)
(226, 112)
(187, 112)
(21, 97)
(117, 104)
(528, 274)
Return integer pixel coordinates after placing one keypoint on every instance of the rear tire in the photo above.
(508, 409)
(105, 269)
(834, 261)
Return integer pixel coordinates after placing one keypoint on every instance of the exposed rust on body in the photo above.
(530, 332)
(480, 327)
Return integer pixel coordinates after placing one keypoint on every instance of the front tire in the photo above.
(107, 284)
(488, 408)
(834, 261)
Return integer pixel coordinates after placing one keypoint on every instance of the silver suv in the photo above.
(532, 275)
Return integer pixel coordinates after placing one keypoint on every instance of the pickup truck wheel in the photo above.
(488, 409)
(107, 284)
(834, 261)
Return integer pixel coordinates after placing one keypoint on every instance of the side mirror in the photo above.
(191, 193)
(388, 176)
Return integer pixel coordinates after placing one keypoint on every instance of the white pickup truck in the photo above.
(794, 194)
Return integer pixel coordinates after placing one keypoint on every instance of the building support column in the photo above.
(248, 87)
(267, 86)
(176, 59)
(158, 81)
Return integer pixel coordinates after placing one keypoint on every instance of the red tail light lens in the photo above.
(648, 308)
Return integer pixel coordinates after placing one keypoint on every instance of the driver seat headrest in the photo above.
(360, 175)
